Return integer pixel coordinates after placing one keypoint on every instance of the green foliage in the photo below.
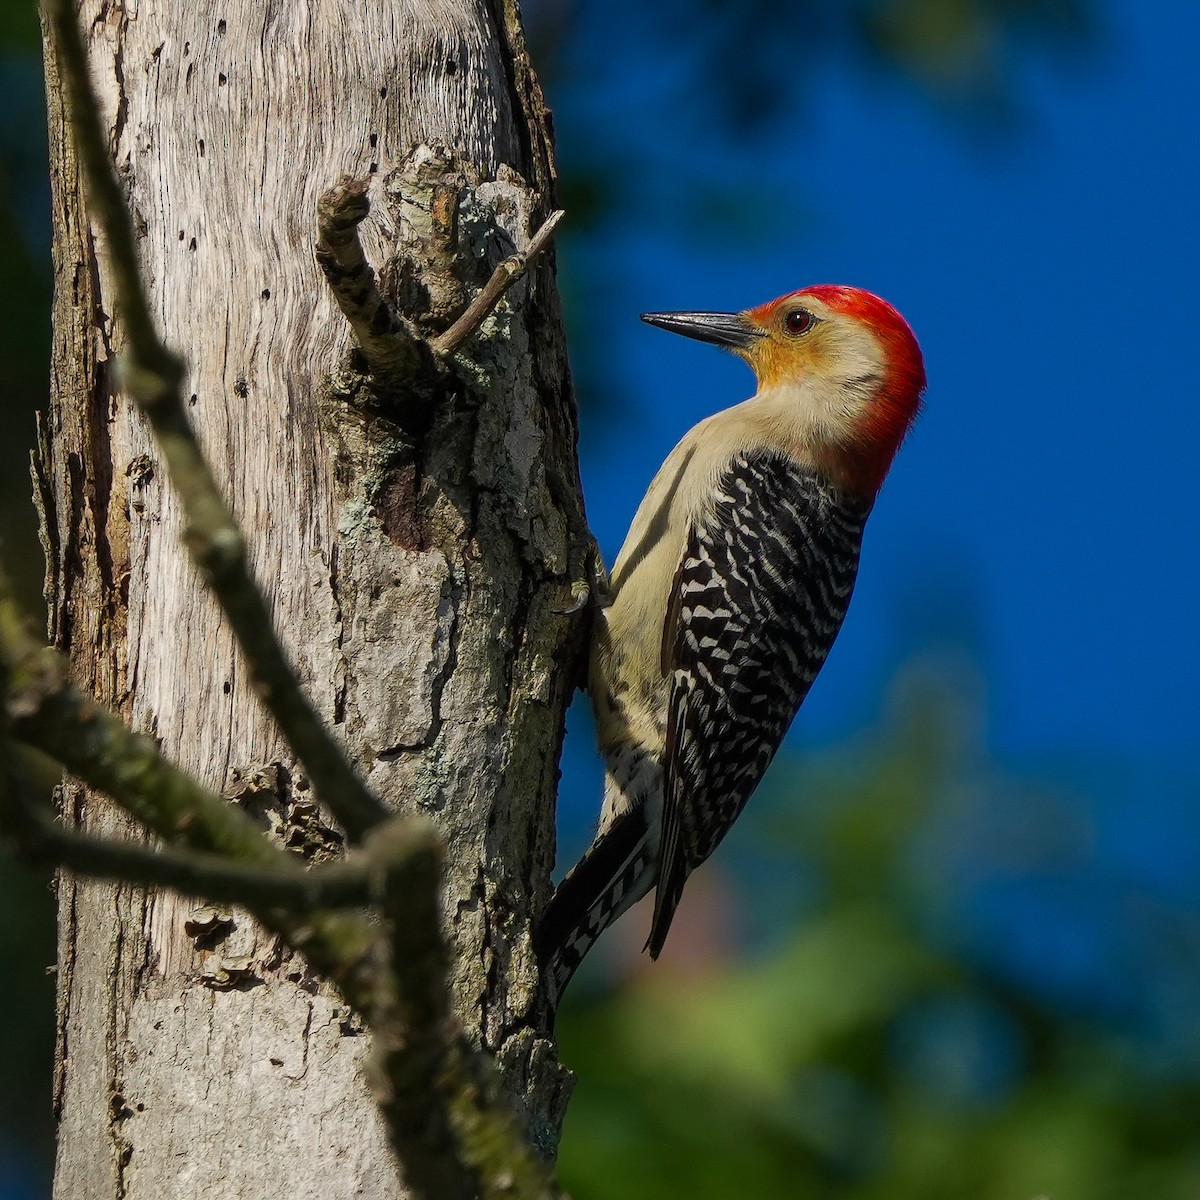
(861, 1057)
(18, 26)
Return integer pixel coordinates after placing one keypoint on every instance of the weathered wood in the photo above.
(411, 546)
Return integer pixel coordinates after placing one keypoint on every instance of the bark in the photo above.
(415, 547)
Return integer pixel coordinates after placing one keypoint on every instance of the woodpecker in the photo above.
(728, 593)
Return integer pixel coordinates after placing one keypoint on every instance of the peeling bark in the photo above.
(410, 543)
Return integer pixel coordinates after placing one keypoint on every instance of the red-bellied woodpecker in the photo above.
(728, 594)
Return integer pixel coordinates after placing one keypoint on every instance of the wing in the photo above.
(759, 597)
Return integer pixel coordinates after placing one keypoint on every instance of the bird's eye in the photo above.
(799, 320)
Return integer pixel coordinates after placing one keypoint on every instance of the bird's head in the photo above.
(838, 366)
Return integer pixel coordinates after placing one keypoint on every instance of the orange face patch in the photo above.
(862, 459)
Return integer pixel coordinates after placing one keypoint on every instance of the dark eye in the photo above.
(799, 320)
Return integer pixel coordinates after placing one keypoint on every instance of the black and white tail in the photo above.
(617, 870)
(615, 873)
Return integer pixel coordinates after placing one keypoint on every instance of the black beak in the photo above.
(722, 329)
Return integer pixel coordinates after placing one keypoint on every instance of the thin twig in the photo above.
(392, 347)
(40, 706)
(153, 375)
(435, 1059)
(49, 712)
(407, 1070)
(40, 838)
(503, 277)
(490, 1136)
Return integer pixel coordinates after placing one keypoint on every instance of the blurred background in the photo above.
(952, 949)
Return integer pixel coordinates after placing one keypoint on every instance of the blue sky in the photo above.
(1044, 510)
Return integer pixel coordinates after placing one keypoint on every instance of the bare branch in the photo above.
(392, 347)
(503, 277)
(41, 838)
(434, 1058)
(489, 1134)
(409, 1053)
(47, 711)
(44, 709)
(153, 376)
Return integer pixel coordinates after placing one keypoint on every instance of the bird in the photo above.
(728, 593)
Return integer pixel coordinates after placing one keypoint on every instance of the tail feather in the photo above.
(615, 873)
(666, 901)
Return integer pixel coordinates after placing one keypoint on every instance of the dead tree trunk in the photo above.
(415, 564)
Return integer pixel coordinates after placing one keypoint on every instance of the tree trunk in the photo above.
(414, 565)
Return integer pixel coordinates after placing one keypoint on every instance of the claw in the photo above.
(589, 578)
(581, 592)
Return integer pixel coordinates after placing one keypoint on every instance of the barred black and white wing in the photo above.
(760, 594)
